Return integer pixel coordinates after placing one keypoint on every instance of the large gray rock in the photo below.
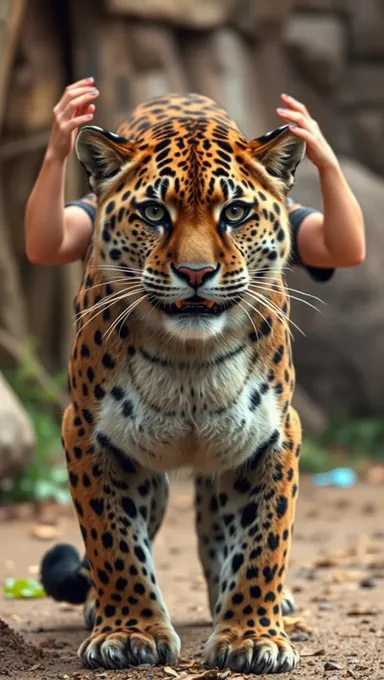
(202, 64)
(341, 361)
(154, 54)
(317, 44)
(363, 85)
(261, 17)
(199, 14)
(240, 86)
(318, 5)
(367, 136)
(366, 22)
(17, 439)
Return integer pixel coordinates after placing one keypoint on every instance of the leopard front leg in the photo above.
(211, 541)
(116, 502)
(211, 535)
(258, 507)
(158, 506)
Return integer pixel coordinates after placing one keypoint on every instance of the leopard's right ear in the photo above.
(103, 154)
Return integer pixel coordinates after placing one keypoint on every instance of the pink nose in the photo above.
(195, 277)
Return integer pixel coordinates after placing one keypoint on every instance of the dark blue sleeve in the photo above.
(297, 213)
(88, 204)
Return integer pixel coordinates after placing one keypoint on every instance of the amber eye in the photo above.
(234, 213)
(153, 212)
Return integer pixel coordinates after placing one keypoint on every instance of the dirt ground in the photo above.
(336, 572)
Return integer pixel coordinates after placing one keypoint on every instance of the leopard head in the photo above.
(190, 212)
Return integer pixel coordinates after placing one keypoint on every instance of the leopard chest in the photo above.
(205, 415)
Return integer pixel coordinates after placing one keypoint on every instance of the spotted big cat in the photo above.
(182, 359)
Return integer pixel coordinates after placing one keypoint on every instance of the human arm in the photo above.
(334, 238)
(55, 234)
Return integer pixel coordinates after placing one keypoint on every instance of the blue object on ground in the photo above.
(341, 477)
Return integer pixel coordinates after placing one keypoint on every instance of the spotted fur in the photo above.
(158, 383)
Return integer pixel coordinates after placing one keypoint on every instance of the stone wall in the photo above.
(338, 47)
(243, 53)
(329, 53)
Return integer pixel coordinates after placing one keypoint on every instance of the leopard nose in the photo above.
(196, 276)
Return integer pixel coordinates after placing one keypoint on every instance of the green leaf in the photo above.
(22, 588)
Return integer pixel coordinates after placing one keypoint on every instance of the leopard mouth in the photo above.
(195, 306)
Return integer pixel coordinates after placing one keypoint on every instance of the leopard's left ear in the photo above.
(280, 152)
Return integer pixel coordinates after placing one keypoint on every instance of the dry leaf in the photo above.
(332, 666)
(375, 564)
(35, 667)
(170, 671)
(49, 643)
(293, 624)
(45, 532)
(326, 562)
(65, 607)
(16, 617)
(345, 576)
(210, 675)
(309, 652)
(362, 611)
(364, 546)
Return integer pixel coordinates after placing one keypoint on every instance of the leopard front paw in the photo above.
(114, 648)
(250, 652)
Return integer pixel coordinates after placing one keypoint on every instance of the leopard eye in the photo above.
(234, 213)
(153, 212)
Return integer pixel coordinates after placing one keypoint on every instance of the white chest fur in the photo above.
(210, 417)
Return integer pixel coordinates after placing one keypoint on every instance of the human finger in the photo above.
(87, 108)
(76, 122)
(306, 135)
(294, 104)
(80, 83)
(71, 94)
(298, 118)
(74, 105)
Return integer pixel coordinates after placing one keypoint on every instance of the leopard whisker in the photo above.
(274, 309)
(105, 302)
(288, 288)
(123, 316)
(116, 267)
(249, 316)
(291, 297)
(258, 312)
(108, 304)
(111, 281)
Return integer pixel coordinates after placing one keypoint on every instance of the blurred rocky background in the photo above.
(243, 53)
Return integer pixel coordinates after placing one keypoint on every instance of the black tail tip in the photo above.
(62, 576)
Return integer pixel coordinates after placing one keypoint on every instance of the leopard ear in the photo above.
(103, 154)
(280, 152)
